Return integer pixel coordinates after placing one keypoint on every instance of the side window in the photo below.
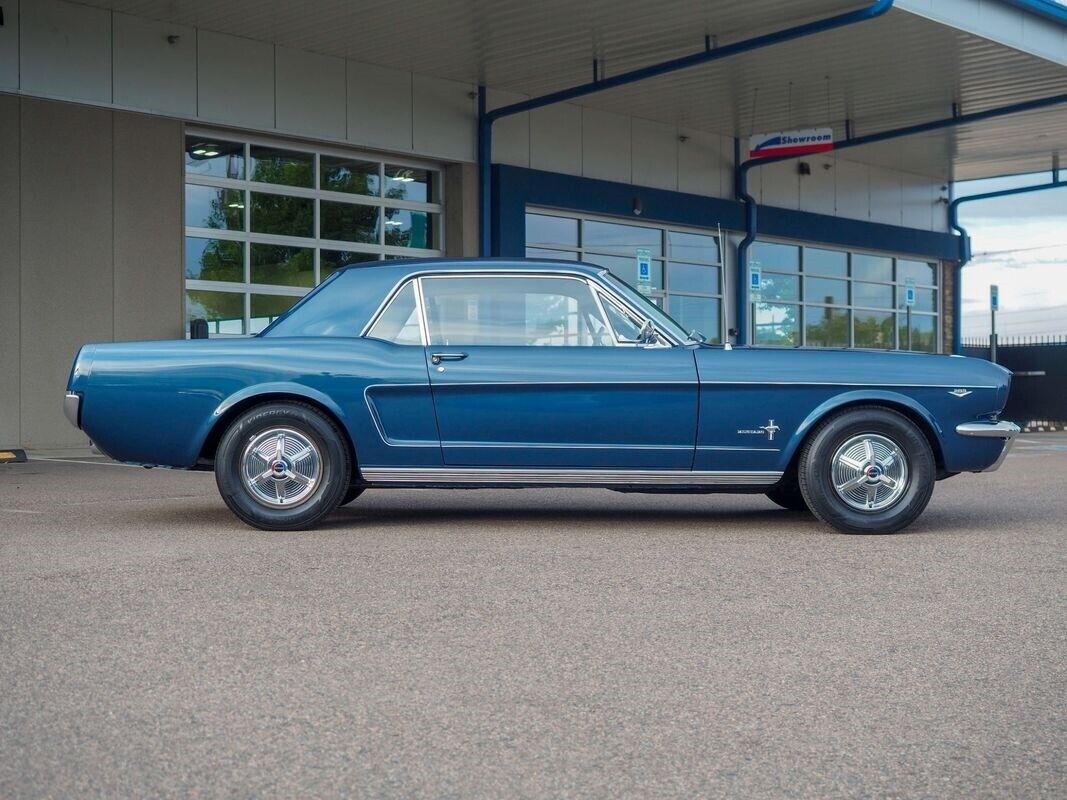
(627, 327)
(519, 310)
(399, 323)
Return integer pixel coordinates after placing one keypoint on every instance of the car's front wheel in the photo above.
(867, 470)
(282, 466)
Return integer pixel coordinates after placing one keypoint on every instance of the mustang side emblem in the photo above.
(770, 429)
(960, 392)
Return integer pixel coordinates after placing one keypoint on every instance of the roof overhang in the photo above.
(897, 70)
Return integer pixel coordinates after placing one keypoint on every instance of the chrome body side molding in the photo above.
(463, 476)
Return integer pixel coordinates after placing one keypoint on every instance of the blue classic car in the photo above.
(512, 373)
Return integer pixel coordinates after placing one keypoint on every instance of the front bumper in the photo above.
(72, 408)
(1005, 431)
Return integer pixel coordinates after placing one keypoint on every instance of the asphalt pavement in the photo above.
(534, 643)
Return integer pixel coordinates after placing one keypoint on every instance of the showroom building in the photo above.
(162, 163)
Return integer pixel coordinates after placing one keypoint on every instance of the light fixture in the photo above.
(235, 205)
(206, 150)
(393, 222)
(402, 176)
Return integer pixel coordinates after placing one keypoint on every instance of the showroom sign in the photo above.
(791, 143)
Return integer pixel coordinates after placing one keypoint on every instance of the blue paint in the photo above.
(964, 243)
(681, 407)
(708, 54)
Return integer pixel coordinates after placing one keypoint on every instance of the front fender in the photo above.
(861, 397)
(266, 391)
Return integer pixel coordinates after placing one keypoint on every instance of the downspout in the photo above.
(708, 54)
(964, 244)
(751, 221)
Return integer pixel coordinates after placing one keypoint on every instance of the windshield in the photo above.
(646, 306)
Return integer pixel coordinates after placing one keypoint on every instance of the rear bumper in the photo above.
(1005, 431)
(72, 408)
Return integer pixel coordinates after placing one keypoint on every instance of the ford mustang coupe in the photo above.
(513, 373)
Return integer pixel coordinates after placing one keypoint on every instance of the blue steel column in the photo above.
(751, 208)
(742, 288)
(487, 118)
(485, 159)
(965, 244)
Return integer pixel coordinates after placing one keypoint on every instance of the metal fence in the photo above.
(1039, 388)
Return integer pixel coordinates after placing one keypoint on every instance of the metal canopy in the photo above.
(886, 73)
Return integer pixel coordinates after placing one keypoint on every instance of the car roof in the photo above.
(407, 265)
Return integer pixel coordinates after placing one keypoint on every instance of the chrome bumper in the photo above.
(72, 408)
(1005, 431)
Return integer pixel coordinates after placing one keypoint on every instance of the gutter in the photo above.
(487, 118)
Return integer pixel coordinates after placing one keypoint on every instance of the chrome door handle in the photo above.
(437, 358)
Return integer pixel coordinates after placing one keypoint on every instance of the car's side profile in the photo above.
(511, 373)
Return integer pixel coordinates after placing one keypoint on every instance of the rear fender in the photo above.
(268, 391)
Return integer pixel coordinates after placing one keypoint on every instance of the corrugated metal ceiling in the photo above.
(885, 73)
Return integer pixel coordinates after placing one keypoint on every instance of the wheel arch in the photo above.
(906, 406)
(239, 403)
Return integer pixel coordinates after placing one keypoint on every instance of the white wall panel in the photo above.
(556, 139)
(379, 106)
(703, 164)
(605, 145)
(654, 148)
(1043, 37)
(9, 46)
(917, 207)
(886, 200)
(817, 190)
(65, 50)
(511, 135)
(999, 20)
(781, 185)
(309, 93)
(443, 118)
(938, 200)
(235, 80)
(151, 73)
(66, 301)
(994, 20)
(10, 272)
(852, 189)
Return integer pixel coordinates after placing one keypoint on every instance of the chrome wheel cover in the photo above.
(870, 472)
(281, 467)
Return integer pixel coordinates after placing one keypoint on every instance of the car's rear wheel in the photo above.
(282, 466)
(867, 470)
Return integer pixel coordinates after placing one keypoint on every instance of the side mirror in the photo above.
(648, 334)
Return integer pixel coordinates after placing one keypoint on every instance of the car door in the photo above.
(526, 372)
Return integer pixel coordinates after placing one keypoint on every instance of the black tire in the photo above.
(352, 493)
(315, 467)
(787, 494)
(893, 489)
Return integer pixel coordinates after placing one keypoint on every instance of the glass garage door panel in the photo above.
(820, 297)
(267, 221)
(686, 275)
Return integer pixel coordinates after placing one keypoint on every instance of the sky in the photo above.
(1019, 243)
